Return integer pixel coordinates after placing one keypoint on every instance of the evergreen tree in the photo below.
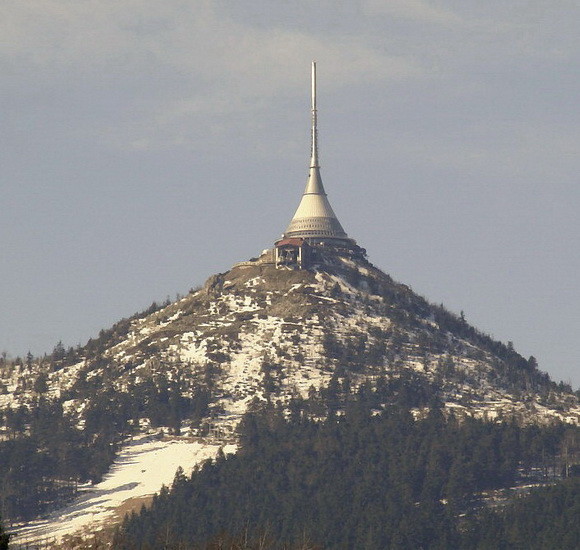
(4, 537)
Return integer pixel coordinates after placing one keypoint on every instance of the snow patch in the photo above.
(141, 468)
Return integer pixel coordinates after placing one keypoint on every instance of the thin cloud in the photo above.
(418, 10)
(195, 38)
(220, 66)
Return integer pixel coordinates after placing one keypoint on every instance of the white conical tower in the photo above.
(314, 219)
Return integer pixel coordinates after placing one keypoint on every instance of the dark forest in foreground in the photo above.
(370, 478)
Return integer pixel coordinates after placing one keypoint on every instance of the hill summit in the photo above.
(258, 332)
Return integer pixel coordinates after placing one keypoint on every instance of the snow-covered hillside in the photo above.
(295, 328)
(261, 333)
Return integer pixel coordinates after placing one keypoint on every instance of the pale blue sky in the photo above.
(148, 144)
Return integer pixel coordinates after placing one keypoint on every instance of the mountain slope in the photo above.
(256, 331)
(361, 480)
(193, 367)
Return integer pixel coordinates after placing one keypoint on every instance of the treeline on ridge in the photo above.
(370, 477)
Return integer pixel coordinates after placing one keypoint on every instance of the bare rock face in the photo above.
(213, 285)
(257, 332)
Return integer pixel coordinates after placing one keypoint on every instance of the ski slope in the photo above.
(141, 468)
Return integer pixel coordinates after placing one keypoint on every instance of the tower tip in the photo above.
(314, 151)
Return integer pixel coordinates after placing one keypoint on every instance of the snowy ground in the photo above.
(141, 468)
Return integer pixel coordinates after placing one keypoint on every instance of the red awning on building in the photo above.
(290, 242)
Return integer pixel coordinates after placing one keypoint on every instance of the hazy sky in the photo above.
(147, 144)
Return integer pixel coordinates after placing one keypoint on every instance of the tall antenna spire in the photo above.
(314, 152)
(314, 219)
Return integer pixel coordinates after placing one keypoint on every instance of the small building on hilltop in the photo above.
(292, 252)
